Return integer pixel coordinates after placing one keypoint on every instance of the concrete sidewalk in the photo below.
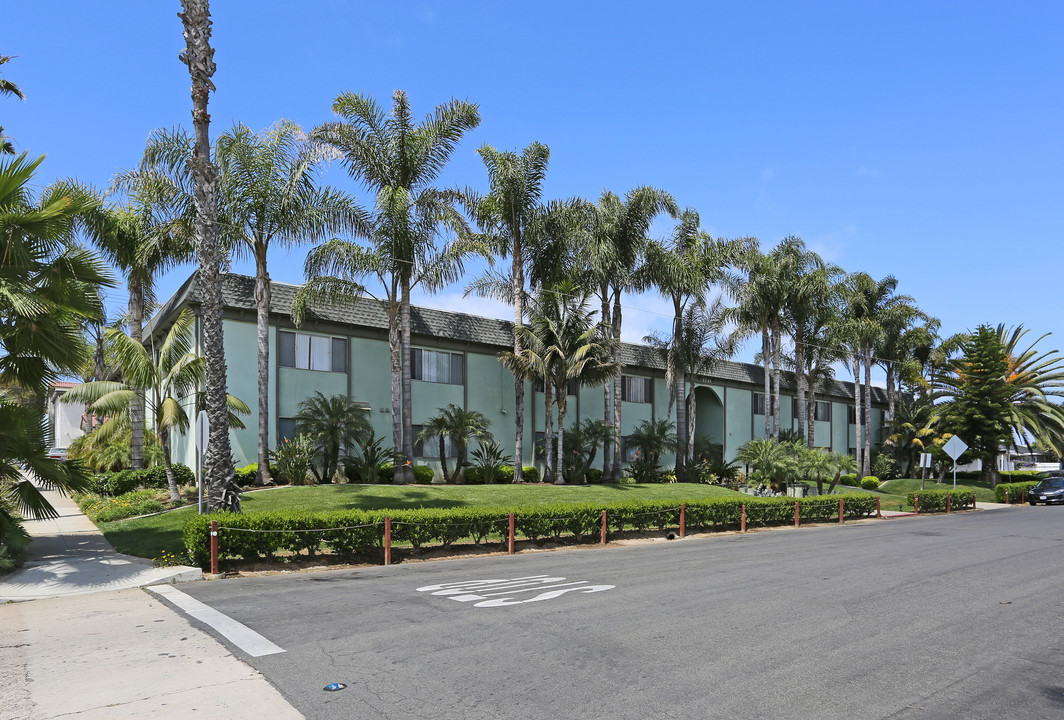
(122, 654)
(70, 556)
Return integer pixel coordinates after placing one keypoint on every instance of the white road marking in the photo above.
(478, 592)
(235, 632)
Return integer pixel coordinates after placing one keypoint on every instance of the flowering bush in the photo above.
(293, 457)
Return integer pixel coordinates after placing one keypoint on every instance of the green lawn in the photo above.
(149, 537)
(903, 486)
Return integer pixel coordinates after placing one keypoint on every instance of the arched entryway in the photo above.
(708, 415)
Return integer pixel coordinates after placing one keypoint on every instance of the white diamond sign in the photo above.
(955, 447)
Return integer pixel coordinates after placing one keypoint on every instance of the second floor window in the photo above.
(438, 367)
(636, 389)
(311, 352)
(822, 411)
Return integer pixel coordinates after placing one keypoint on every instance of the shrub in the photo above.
(365, 467)
(931, 501)
(101, 508)
(849, 479)
(593, 475)
(293, 458)
(1017, 491)
(121, 482)
(423, 474)
(870, 482)
(155, 477)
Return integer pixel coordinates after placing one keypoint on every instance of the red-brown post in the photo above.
(796, 513)
(973, 500)
(879, 514)
(214, 547)
(840, 509)
(603, 527)
(388, 540)
(1007, 497)
(948, 498)
(1023, 495)
(510, 537)
(916, 504)
(683, 507)
(743, 522)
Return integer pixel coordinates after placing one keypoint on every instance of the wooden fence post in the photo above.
(840, 510)
(388, 540)
(916, 504)
(948, 508)
(879, 513)
(214, 547)
(743, 525)
(796, 513)
(603, 541)
(683, 519)
(510, 536)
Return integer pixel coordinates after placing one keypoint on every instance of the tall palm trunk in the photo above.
(766, 355)
(262, 317)
(168, 464)
(776, 378)
(868, 412)
(810, 417)
(680, 388)
(548, 431)
(395, 346)
(858, 417)
(799, 376)
(559, 466)
(443, 458)
(408, 418)
(519, 383)
(136, 331)
(616, 326)
(606, 398)
(199, 56)
(691, 428)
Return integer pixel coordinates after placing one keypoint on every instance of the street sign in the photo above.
(955, 447)
(925, 460)
(203, 429)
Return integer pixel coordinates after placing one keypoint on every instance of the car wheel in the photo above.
(1033, 503)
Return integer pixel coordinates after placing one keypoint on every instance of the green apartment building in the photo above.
(345, 350)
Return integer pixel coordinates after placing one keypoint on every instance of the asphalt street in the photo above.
(953, 616)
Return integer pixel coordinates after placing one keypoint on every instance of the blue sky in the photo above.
(921, 140)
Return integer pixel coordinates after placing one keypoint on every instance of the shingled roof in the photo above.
(238, 292)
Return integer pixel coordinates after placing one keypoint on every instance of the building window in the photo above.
(629, 450)
(759, 403)
(570, 390)
(636, 389)
(286, 429)
(311, 352)
(822, 411)
(437, 367)
(430, 447)
(851, 414)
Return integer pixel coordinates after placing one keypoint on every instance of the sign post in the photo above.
(203, 429)
(955, 447)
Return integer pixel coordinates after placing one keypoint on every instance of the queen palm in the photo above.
(272, 197)
(618, 235)
(505, 215)
(8, 88)
(398, 159)
(460, 426)
(683, 270)
(164, 377)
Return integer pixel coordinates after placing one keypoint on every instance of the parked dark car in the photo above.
(1048, 490)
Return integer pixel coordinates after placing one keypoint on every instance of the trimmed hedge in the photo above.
(245, 476)
(1016, 490)
(932, 501)
(359, 534)
(423, 474)
(870, 482)
(473, 475)
(125, 481)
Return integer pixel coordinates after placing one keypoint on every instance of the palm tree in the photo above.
(398, 159)
(199, 57)
(816, 464)
(8, 88)
(683, 270)
(619, 230)
(271, 196)
(164, 377)
(505, 215)
(581, 444)
(335, 424)
(773, 462)
(651, 438)
(760, 300)
(49, 287)
(461, 426)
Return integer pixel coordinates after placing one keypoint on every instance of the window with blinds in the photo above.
(438, 367)
(636, 389)
(311, 352)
